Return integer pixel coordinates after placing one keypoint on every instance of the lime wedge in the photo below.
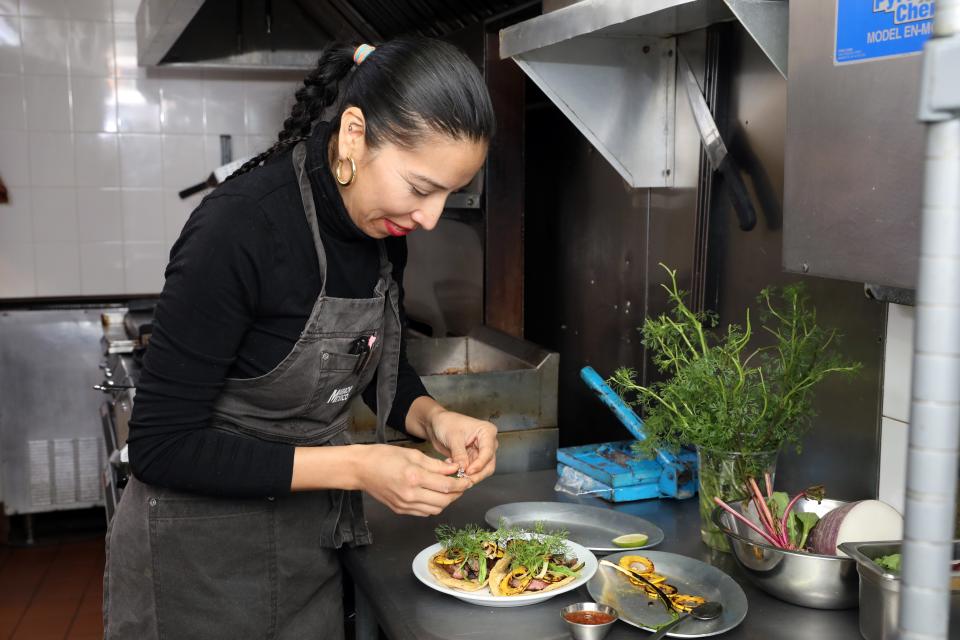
(631, 540)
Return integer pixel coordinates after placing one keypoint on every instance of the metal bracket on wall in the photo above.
(620, 93)
(896, 295)
(768, 23)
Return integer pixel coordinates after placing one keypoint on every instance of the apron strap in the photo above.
(310, 209)
(389, 357)
(386, 270)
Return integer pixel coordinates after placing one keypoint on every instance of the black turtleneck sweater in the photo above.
(241, 282)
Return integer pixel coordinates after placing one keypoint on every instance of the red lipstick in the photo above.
(395, 229)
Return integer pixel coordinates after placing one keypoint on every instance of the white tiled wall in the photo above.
(94, 149)
(897, 364)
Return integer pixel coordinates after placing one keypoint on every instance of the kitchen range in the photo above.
(126, 334)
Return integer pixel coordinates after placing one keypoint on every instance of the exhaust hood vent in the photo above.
(216, 33)
(289, 34)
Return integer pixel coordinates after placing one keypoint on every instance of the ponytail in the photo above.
(318, 92)
(407, 88)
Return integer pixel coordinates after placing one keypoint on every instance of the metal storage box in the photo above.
(491, 376)
(880, 590)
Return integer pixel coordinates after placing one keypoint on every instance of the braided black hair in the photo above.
(406, 88)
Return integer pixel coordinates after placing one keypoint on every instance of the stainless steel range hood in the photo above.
(610, 66)
(288, 34)
(227, 33)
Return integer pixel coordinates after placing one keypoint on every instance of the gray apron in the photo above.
(183, 566)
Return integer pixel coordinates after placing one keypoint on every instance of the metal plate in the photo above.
(484, 598)
(686, 574)
(592, 527)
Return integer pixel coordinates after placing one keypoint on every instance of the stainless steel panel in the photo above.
(487, 375)
(633, 125)
(842, 451)
(657, 18)
(853, 159)
(592, 248)
(767, 21)
(50, 433)
(443, 281)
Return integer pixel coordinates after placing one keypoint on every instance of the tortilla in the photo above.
(444, 578)
(497, 573)
(500, 570)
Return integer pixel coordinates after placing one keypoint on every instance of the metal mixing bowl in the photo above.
(806, 579)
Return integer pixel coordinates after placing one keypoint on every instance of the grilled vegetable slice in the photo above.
(640, 564)
(686, 602)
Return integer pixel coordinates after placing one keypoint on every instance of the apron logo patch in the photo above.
(339, 395)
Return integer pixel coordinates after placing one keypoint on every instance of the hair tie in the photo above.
(360, 53)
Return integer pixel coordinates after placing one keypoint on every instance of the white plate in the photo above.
(484, 598)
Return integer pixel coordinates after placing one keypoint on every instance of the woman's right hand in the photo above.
(409, 482)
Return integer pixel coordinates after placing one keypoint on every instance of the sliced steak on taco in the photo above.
(537, 563)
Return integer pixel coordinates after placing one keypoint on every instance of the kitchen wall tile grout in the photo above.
(93, 120)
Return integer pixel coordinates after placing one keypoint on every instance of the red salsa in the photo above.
(588, 617)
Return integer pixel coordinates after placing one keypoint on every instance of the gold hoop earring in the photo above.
(353, 172)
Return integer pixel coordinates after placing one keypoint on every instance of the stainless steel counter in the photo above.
(405, 609)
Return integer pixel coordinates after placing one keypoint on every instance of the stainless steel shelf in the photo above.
(610, 67)
(611, 18)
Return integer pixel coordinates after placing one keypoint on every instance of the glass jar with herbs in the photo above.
(738, 398)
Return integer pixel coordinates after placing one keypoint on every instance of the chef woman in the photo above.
(282, 302)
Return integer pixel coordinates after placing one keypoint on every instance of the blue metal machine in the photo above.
(619, 473)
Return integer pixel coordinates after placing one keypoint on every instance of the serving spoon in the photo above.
(704, 611)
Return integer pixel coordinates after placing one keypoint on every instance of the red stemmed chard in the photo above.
(777, 524)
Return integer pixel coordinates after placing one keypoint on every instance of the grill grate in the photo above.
(65, 471)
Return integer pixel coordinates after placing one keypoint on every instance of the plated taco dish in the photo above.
(507, 562)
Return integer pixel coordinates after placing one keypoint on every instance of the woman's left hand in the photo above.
(469, 442)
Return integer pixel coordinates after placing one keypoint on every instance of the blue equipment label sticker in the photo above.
(871, 29)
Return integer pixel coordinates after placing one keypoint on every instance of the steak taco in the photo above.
(535, 563)
(466, 558)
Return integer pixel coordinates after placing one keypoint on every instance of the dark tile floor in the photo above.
(52, 589)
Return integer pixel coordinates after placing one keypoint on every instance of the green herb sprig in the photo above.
(531, 549)
(468, 539)
(720, 391)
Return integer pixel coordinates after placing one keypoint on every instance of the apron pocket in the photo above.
(214, 567)
(339, 379)
(333, 361)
